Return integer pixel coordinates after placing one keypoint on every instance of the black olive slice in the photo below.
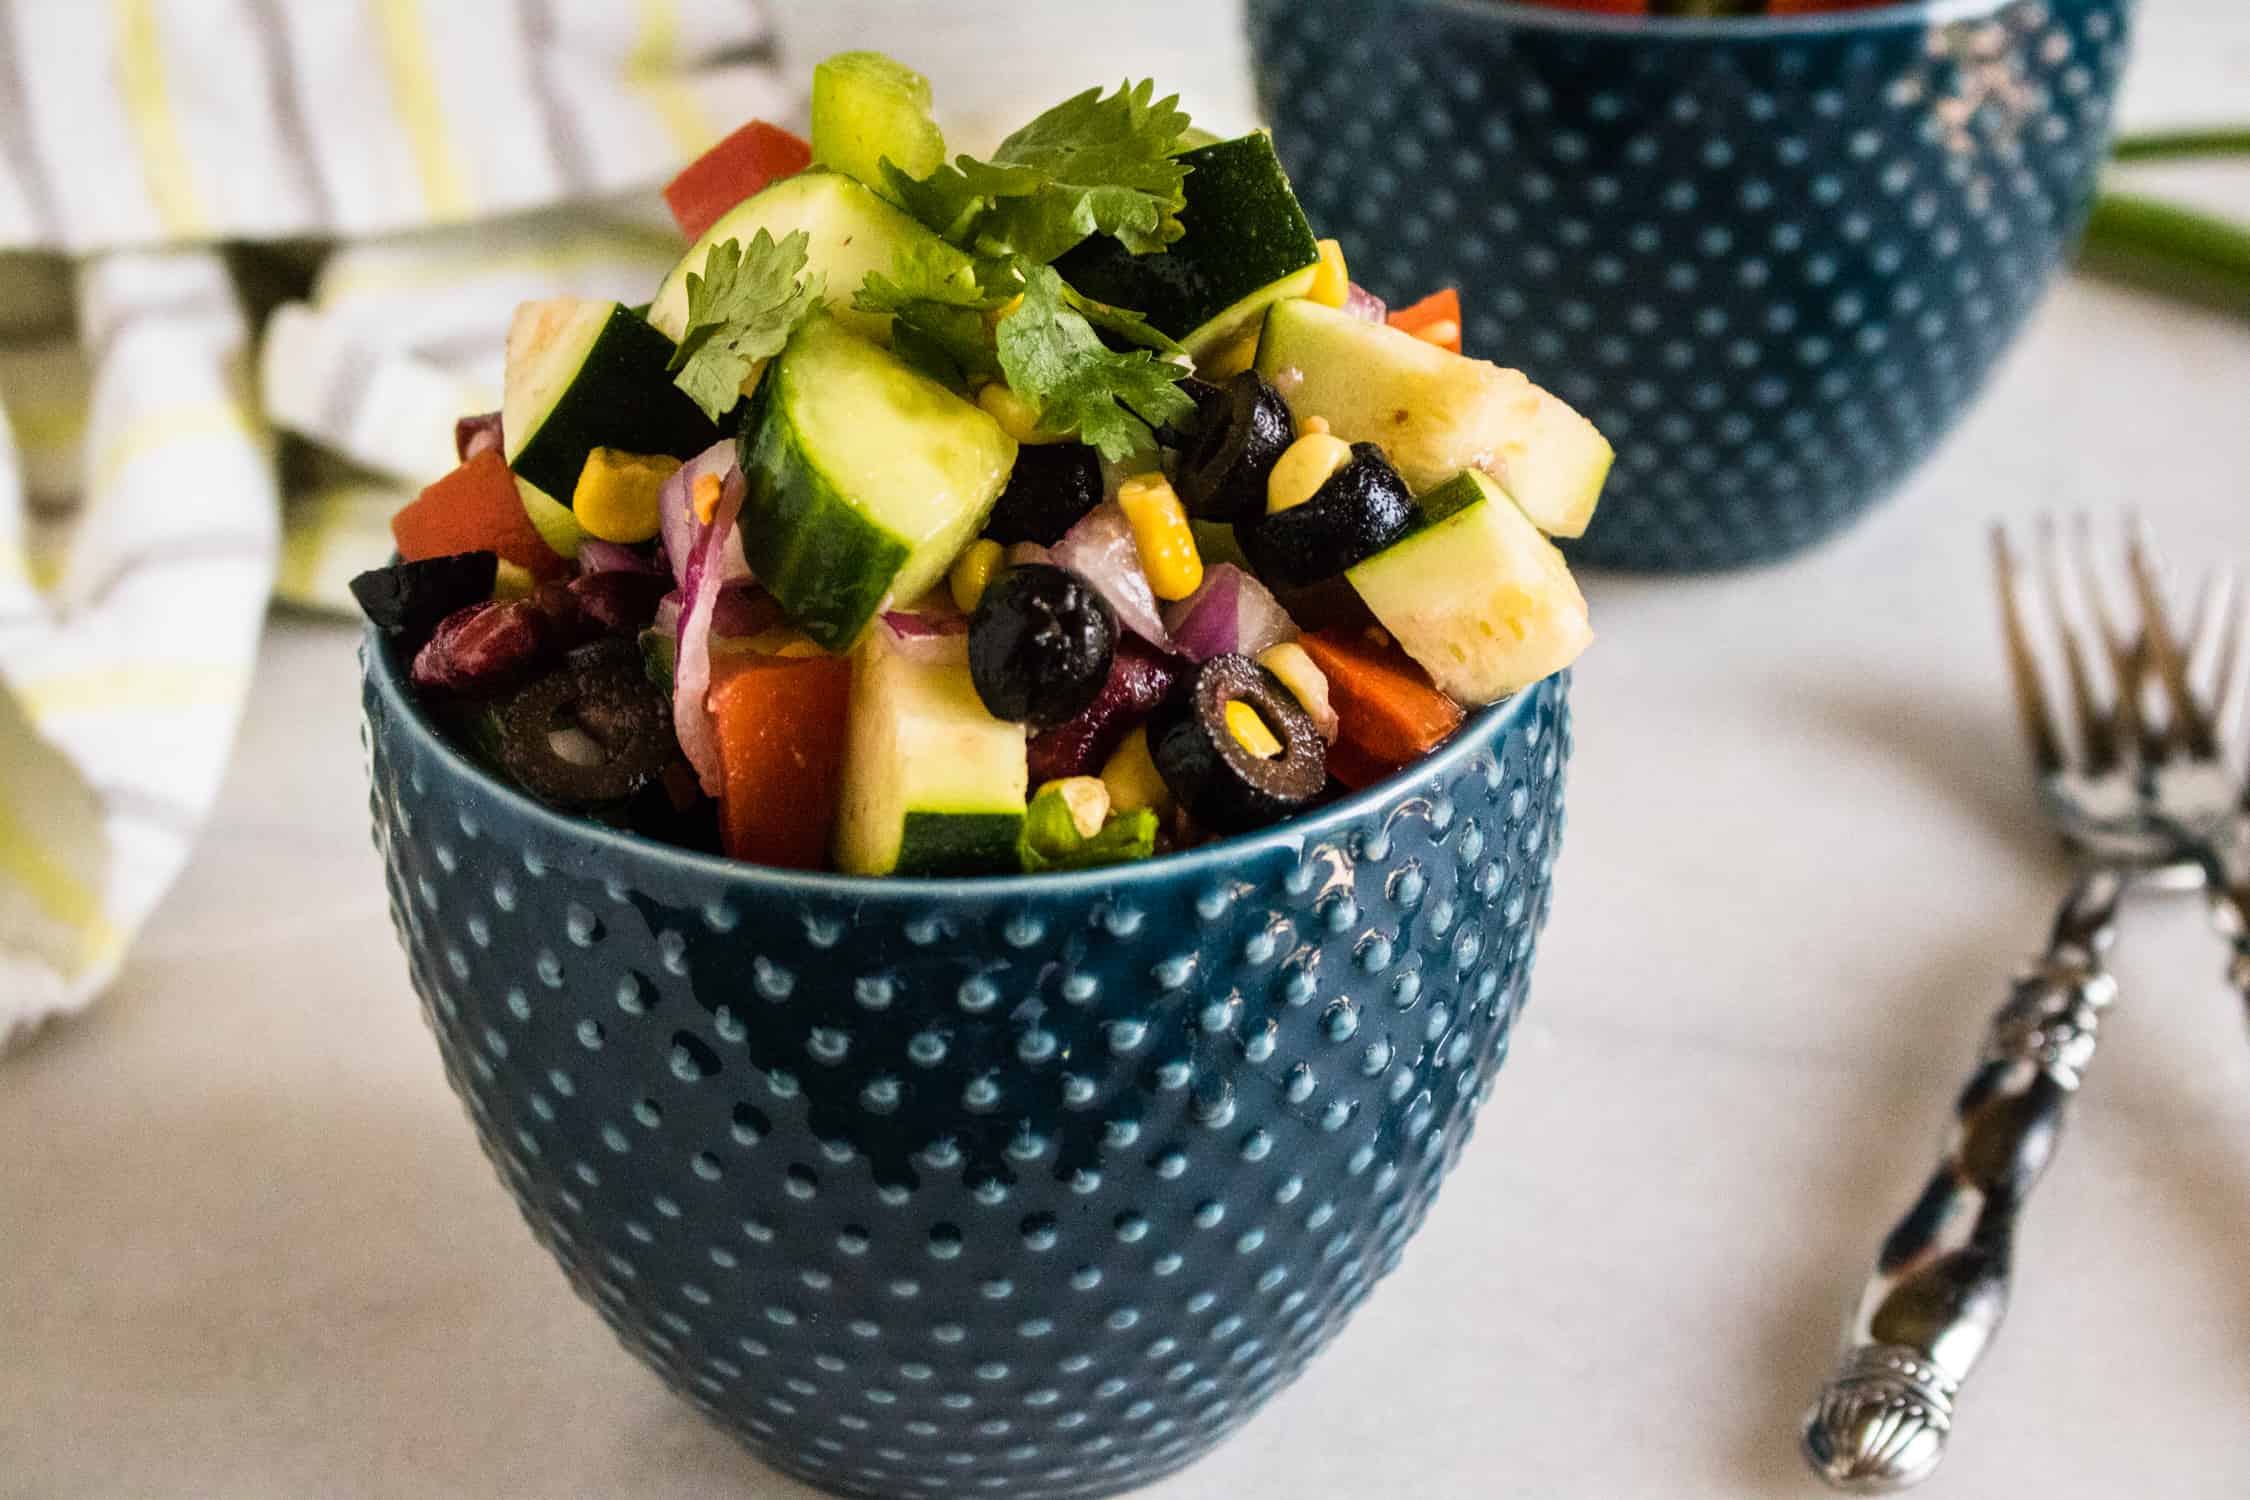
(1210, 406)
(1049, 491)
(592, 732)
(409, 598)
(1222, 472)
(1363, 508)
(1222, 783)
(1040, 645)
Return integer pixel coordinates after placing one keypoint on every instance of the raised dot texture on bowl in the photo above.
(1772, 260)
(1028, 1188)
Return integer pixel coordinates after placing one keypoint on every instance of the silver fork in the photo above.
(2139, 787)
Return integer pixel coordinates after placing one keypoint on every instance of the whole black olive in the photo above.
(1050, 489)
(592, 732)
(1040, 645)
(409, 598)
(1224, 783)
(1222, 474)
(1363, 508)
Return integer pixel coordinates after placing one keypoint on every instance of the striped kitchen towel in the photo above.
(142, 144)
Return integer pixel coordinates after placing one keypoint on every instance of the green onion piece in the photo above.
(2166, 145)
(2162, 247)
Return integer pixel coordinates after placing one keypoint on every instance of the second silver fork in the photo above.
(2139, 787)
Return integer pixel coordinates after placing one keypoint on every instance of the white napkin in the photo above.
(139, 502)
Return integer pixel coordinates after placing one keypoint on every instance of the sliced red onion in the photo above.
(928, 638)
(1100, 549)
(473, 435)
(668, 616)
(691, 676)
(1231, 612)
(682, 530)
(1025, 553)
(1364, 305)
(598, 556)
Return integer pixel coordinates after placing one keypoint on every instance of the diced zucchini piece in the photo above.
(933, 784)
(850, 232)
(1476, 595)
(865, 480)
(584, 375)
(866, 108)
(1436, 413)
(1247, 246)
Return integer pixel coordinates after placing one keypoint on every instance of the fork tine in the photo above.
(2127, 655)
(2023, 665)
(2191, 725)
(2097, 730)
(2227, 647)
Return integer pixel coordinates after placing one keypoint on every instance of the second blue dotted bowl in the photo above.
(1773, 259)
(1032, 1188)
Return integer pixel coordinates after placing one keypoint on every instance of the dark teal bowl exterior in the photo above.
(1030, 1188)
(1773, 260)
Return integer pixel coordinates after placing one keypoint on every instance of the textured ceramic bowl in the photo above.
(1773, 259)
(1030, 1188)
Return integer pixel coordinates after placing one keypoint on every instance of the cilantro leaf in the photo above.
(1112, 168)
(1093, 164)
(937, 305)
(742, 308)
(1052, 358)
(1131, 326)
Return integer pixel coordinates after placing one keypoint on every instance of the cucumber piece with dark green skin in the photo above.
(1247, 246)
(584, 375)
(865, 480)
(932, 783)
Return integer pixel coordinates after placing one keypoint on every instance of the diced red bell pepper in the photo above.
(731, 171)
(1436, 317)
(1388, 714)
(781, 754)
(476, 508)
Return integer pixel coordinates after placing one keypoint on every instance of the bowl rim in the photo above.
(1484, 728)
(1919, 13)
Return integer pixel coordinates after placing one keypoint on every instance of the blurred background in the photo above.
(245, 1243)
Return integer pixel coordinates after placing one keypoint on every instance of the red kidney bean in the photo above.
(619, 603)
(484, 649)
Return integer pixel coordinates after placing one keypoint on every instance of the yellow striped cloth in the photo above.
(223, 220)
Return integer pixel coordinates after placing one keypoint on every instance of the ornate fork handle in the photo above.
(1941, 1281)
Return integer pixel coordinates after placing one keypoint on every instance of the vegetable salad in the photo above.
(946, 516)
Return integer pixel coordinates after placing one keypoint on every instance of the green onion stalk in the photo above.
(2167, 248)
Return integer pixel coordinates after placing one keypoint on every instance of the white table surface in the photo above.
(248, 1246)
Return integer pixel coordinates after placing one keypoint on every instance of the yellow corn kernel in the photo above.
(1299, 673)
(1015, 415)
(1331, 283)
(1161, 535)
(1251, 732)
(1232, 360)
(1133, 780)
(1088, 799)
(616, 494)
(782, 640)
(1315, 424)
(1004, 311)
(972, 571)
(1304, 467)
(512, 581)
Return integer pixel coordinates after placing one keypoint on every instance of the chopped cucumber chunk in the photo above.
(865, 480)
(933, 784)
(1476, 595)
(866, 108)
(1436, 413)
(850, 232)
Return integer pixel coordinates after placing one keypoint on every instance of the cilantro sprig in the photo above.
(742, 308)
(1053, 358)
(1094, 164)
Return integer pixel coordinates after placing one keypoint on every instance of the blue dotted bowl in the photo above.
(1030, 1187)
(1773, 259)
